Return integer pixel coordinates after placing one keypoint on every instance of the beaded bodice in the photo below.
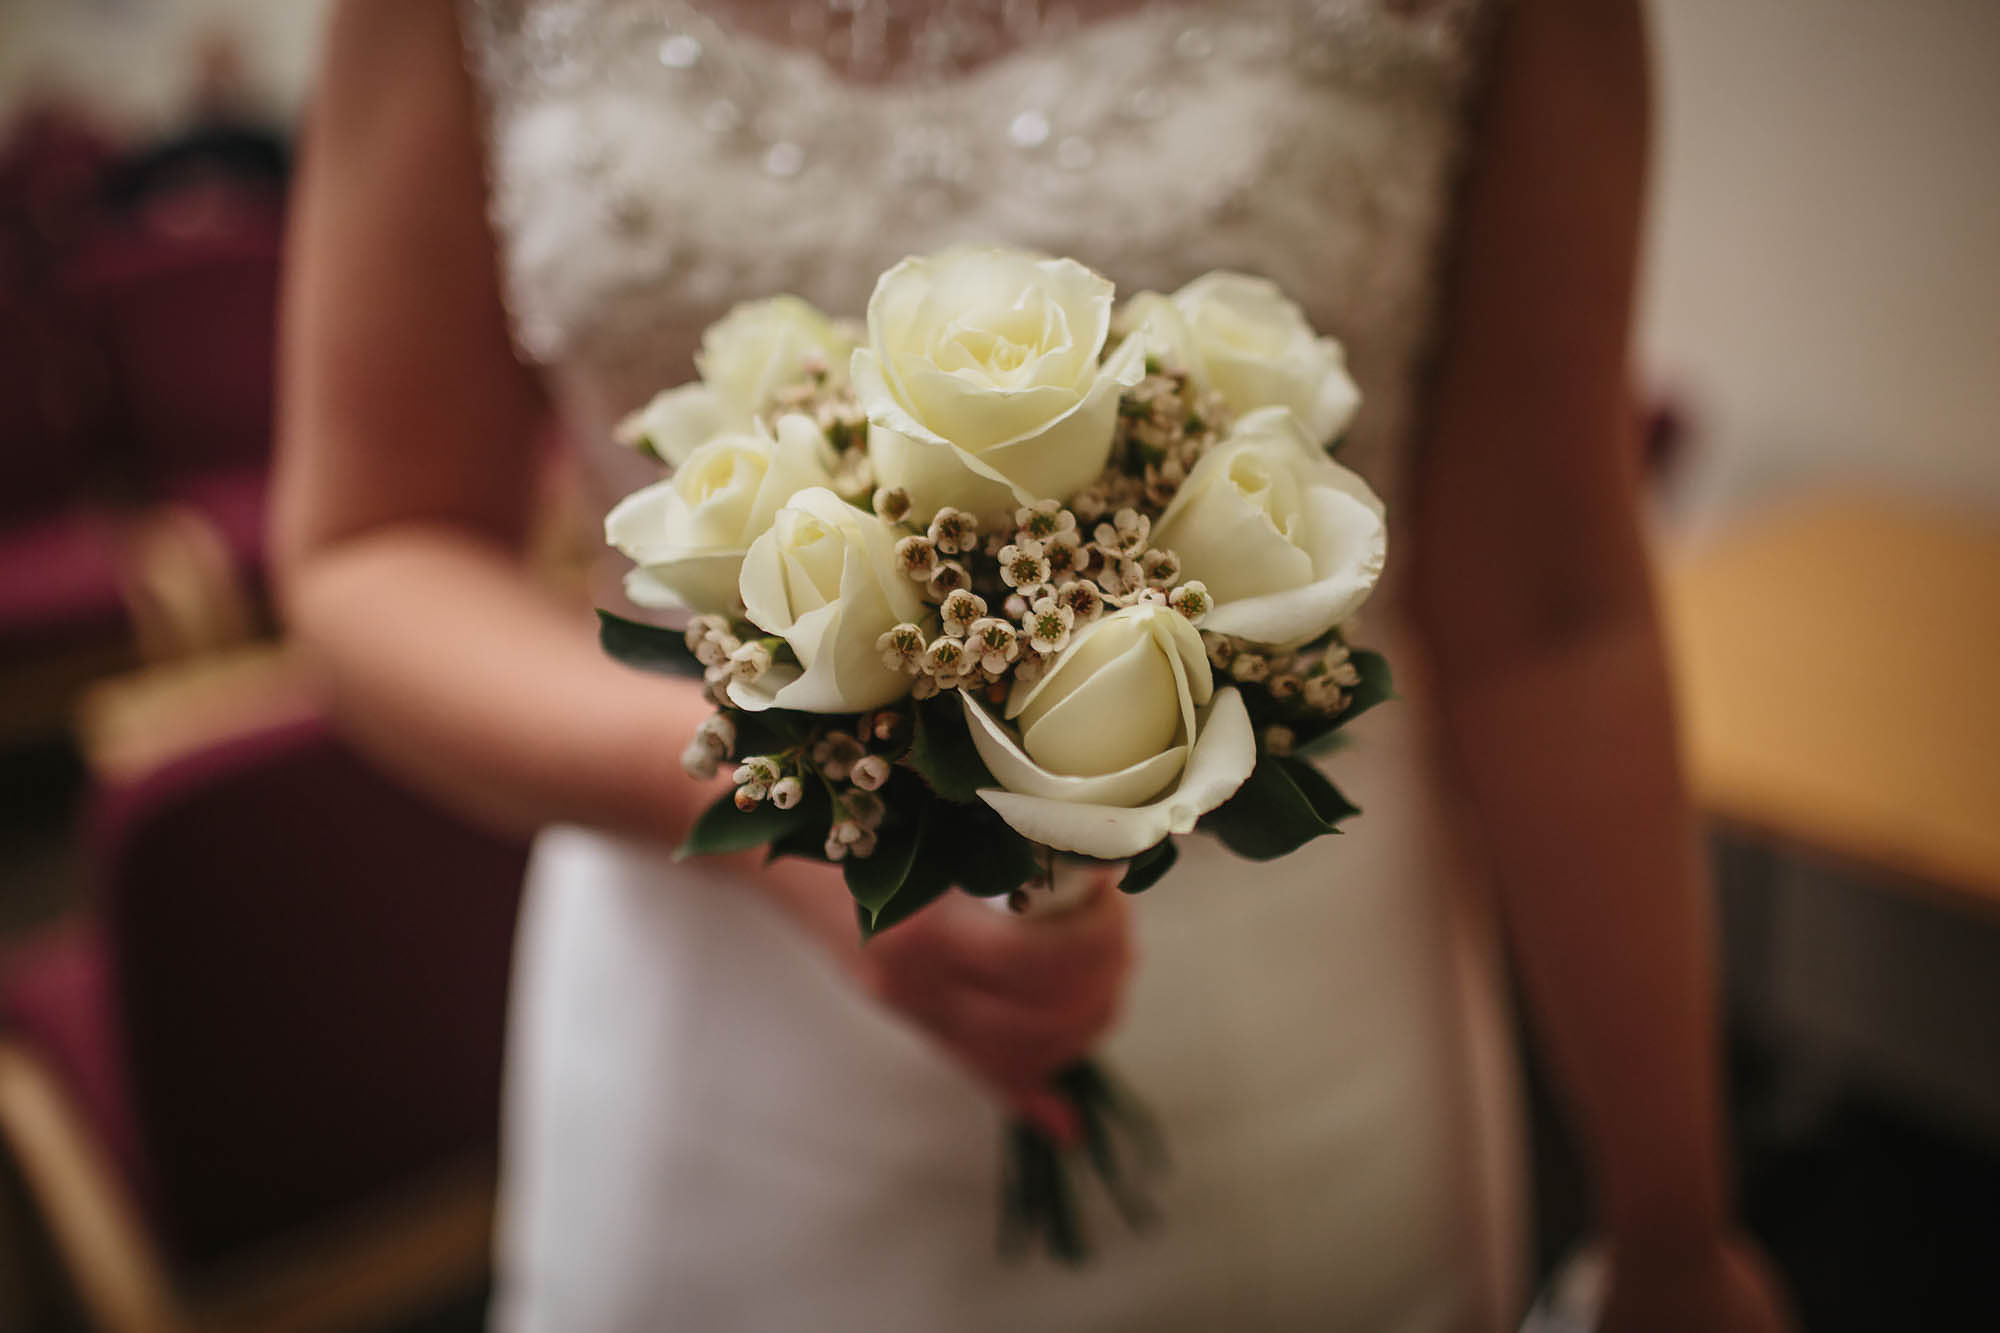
(651, 164)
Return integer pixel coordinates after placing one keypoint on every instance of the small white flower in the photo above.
(945, 658)
(1222, 649)
(787, 792)
(917, 556)
(1286, 687)
(1125, 534)
(902, 648)
(836, 753)
(716, 648)
(947, 579)
(1065, 555)
(847, 832)
(954, 531)
(1015, 606)
(1024, 565)
(750, 662)
(960, 609)
(1249, 667)
(1044, 519)
(1323, 693)
(995, 642)
(750, 795)
(716, 734)
(1048, 624)
(705, 627)
(1083, 599)
(1191, 600)
(757, 771)
(892, 504)
(1121, 576)
(836, 850)
(699, 762)
(870, 772)
(1161, 568)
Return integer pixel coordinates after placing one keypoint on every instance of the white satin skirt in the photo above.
(708, 1128)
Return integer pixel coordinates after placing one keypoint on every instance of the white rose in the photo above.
(746, 358)
(1123, 741)
(982, 380)
(1288, 542)
(689, 533)
(1241, 337)
(824, 579)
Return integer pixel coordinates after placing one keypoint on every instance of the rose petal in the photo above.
(1011, 766)
(1222, 759)
(1349, 542)
(678, 421)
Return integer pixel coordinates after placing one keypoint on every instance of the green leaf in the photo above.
(1327, 801)
(987, 858)
(928, 879)
(874, 880)
(723, 828)
(942, 750)
(646, 647)
(1147, 868)
(1377, 685)
(769, 731)
(1285, 804)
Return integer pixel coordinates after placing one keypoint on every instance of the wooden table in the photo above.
(1838, 663)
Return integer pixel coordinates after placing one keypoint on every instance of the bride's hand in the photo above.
(1013, 999)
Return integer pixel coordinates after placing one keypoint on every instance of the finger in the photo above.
(1010, 1044)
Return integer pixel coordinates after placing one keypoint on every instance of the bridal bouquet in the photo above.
(1009, 581)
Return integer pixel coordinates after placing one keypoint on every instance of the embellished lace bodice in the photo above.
(651, 165)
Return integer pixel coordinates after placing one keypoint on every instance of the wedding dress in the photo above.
(707, 1126)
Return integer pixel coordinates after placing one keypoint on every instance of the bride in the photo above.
(722, 1113)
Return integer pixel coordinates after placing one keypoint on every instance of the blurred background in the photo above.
(248, 1078)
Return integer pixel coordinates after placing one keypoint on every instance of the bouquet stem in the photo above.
(1121, 1146)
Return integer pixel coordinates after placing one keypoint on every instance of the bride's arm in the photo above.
(407, 457)
(1532, 587)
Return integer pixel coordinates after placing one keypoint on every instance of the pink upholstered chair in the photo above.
(260, 1086)
(182, 301)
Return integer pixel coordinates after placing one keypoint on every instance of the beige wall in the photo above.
(133, 59)
(1825, 258)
